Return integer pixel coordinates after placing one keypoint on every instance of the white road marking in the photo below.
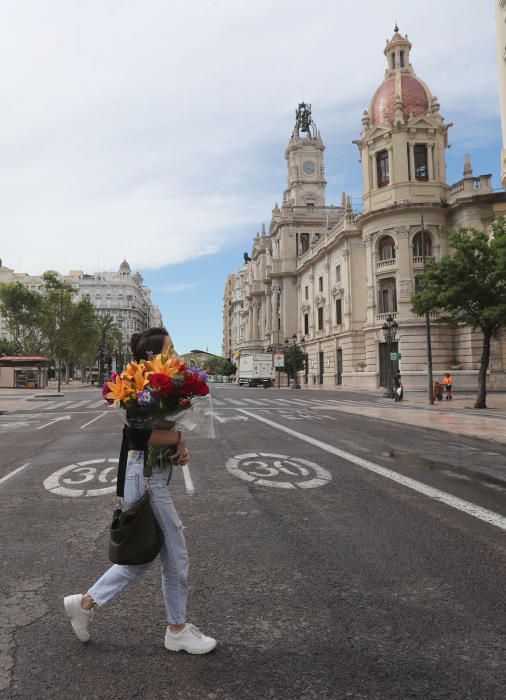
(79, 403)
(55, 420)
(190, 489)
(235, 402)
(98, 404)
(94, 419)
(249, 467)
(16, 471)
(74, 476)
(60, 404)
(256, 403)
(478, 512)
(222, 419)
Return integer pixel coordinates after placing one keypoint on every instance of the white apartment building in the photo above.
(120, 295)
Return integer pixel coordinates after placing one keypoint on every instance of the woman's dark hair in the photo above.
(149, 342)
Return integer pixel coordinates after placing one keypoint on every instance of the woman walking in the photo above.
(180, 635)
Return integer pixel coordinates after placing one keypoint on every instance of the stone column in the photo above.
(370, 266)
(411, 160)
(404, 287)
(430, 160)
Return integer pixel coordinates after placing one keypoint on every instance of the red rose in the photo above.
(162, 385)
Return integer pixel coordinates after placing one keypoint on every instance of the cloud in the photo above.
(156, 131)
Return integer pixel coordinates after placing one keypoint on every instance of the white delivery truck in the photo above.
(256, 370)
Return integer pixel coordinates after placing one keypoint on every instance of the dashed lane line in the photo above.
(16, 471)
(472, 509)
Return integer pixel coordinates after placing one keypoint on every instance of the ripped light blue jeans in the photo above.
(173, 555)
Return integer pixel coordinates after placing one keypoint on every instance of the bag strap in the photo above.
(123, 458)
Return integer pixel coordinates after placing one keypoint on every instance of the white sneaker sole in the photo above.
(175, 646)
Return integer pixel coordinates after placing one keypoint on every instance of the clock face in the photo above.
(309, 167)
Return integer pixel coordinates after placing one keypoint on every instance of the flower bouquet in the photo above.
(163, 392)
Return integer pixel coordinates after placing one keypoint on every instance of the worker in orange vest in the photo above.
(448, 381)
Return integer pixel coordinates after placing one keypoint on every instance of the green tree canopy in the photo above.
(469, 287)
(23, 312)
(300, 359)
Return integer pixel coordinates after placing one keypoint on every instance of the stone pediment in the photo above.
(376, 131)
(337, 289)
(319, 299)
(305, 306)
(424, 121)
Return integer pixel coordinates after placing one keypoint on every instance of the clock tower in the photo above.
(306, 172)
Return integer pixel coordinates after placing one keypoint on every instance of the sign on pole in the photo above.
(395, 355)
(278, 358)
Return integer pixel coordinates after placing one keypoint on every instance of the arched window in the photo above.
(387, 248)
(418, 251)
(387, 296)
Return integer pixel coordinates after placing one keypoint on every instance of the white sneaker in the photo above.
(79, 617)
(190, 639)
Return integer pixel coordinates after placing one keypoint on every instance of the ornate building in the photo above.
(501, 66)
(120, 295)
(332, 276)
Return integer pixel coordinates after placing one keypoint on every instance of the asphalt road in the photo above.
(332, 555)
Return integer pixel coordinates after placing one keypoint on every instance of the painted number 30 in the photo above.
(69, 480)
(278, 471)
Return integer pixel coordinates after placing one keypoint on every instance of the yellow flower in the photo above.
(132, 368)
(120, 389)
(163, 364)
(139, 380)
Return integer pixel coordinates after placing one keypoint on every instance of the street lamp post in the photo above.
(389, 329)
(427, 324)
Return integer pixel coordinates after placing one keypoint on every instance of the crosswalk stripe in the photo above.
(78, 403)
(257, 403)
(97, 404)
(236, 402)
(218, 402)
(58, 404)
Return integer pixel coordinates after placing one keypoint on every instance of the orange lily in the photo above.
(120, 390)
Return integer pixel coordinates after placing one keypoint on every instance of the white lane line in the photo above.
(218, 402)
(190, 489)
(80, 403)
(94, 419)
(236, 402)
(16, 471)
(97, 404)
(484, 514)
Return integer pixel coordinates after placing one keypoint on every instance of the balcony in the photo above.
(389, 263)
(385, 315)
(418, 260)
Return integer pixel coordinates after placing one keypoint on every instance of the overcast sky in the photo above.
(155, 129)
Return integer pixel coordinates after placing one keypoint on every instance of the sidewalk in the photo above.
(17, 399)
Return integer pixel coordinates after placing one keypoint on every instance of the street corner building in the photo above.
(332, 276)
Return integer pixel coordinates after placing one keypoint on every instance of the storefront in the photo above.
(23, 372)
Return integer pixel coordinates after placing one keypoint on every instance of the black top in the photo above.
(133, 439)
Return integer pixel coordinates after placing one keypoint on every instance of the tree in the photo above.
(7, 347)
(470, 287)
(85, 336)
(300, 357)
(58, 318)
(109, 340)
(22, 310)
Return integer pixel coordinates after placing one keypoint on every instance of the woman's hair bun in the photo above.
(134, 340)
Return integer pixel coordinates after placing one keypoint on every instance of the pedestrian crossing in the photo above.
(277, 402)
(67, 405)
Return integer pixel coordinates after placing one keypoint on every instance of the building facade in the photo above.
(120, 295)
(501, 66)
(331, 276)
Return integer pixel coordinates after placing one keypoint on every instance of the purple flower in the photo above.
(203, 376)
(145, 398)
